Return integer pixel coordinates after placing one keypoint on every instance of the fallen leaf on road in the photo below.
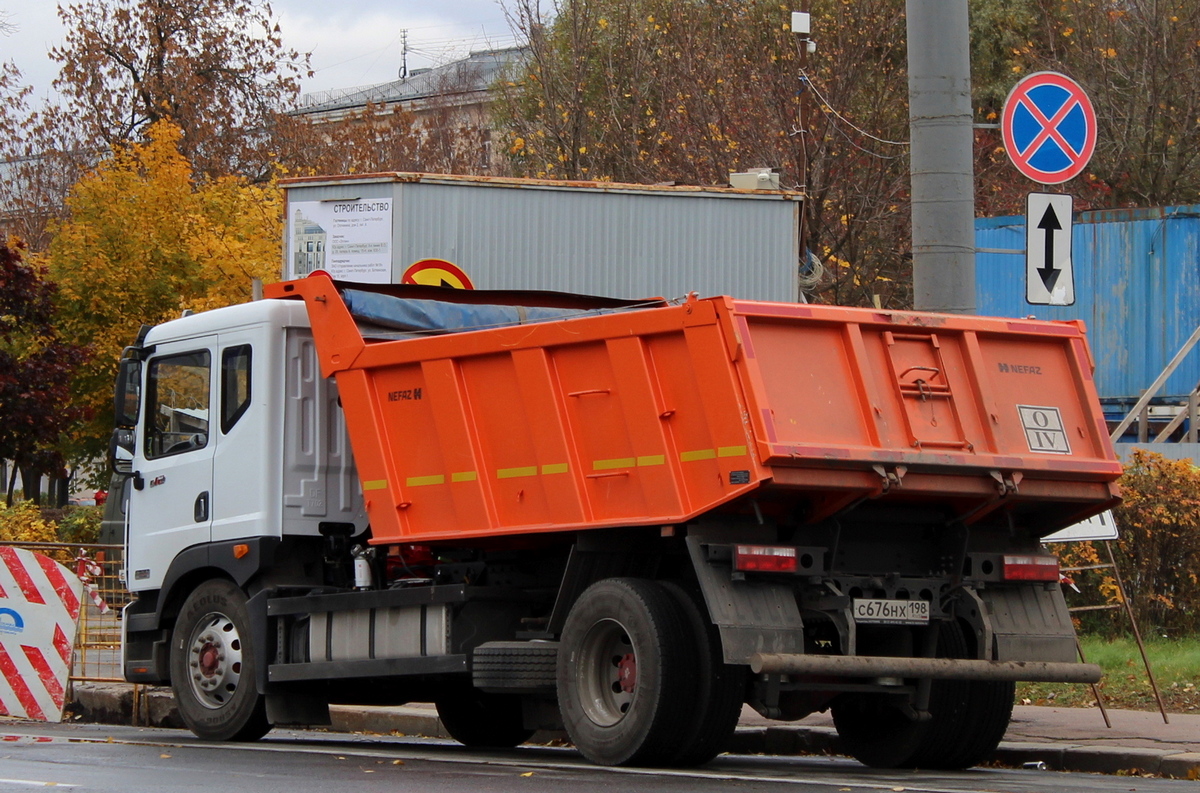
(165, 756)
(397, 762)
(527, 773)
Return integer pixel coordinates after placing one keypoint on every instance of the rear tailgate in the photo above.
(861, 402)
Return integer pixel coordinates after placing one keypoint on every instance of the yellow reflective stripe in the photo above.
(653, 459)
(421, 481)
(554, 468)
(608, 465)
(463, 476)
(513, 473)
(699, 454)
(375, 484)
(731, 451)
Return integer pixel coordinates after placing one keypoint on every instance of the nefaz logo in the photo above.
(1044, 430)
(1019, 368)
(405, 395)
(11, 622)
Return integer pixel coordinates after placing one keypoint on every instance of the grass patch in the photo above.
(1176, 665)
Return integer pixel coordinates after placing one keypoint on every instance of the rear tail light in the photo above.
(1030, 568)
(764, 558)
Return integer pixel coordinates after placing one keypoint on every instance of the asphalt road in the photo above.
(131, 760)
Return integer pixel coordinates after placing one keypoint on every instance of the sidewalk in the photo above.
(1064, 739)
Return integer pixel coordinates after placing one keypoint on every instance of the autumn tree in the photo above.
(145, 240)
(1139, 61)
(1158, 551)
(42, 154)
(35, 371)
(216, 68)
(655, 91)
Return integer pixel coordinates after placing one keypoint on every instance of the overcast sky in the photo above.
(353, 42)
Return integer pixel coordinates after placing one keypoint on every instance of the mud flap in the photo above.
(753, 617)
(1030, 623)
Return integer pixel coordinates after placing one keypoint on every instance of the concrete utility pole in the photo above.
(943, 183)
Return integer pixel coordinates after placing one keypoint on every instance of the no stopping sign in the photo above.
(1049, 127)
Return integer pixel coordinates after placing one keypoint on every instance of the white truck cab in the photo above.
(206, 467)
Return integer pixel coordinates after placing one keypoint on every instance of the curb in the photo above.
(113, 704)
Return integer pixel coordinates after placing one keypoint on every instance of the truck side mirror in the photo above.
(128, 395)
(120, 450)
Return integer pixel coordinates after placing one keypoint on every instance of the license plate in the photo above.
(891, 612)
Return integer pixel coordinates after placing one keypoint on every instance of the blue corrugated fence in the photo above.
(1137, 286)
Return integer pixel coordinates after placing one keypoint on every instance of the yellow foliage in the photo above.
(145, 240)
(23, 522)
(1159, 547)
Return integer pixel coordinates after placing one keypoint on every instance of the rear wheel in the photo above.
(214, 663)
(481, 720)
(877, 731)
(986, 716)
(718, 693)
(625, 678)
(874, 730)
(971, 716)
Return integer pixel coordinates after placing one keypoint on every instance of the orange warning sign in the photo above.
(437, 272)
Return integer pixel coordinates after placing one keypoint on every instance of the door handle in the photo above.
(200, 509)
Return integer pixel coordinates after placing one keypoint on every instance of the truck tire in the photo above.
(480, 720)
(625, 675)
(988, 710)
(213, 665)
(528, 667)
(877, 732)
(719, 692)
(973, 715)
(950, 716)
(967, 719)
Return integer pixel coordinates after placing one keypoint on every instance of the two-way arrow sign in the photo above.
(1049, 278)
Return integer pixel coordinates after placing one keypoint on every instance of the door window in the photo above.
(177, 404)
(235, 385)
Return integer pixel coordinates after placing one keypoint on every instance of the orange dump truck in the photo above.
(620, 519)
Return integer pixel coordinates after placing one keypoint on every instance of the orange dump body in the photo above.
(659, 415)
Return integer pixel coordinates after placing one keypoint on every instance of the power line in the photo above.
(828, 109)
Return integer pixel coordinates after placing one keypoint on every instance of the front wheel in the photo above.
(213, 666)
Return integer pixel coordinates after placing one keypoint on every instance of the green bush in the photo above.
(80, 525)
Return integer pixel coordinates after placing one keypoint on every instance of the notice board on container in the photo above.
(351, 240)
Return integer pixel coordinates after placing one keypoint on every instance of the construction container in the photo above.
(617, 240)
(1136, 288)
(656, 415)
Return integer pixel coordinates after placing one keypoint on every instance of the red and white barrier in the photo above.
(39, 610)
(89, 570)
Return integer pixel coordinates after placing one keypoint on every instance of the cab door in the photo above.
(170, 507)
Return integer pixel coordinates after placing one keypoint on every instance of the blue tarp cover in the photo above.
(431, 316)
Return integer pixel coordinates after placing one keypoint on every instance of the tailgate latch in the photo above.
(1007, 483)
(892, 478)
